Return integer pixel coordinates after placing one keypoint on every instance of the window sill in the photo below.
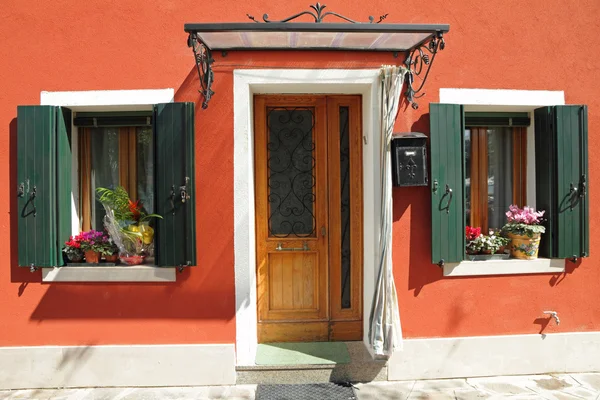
(138, 273)
(505, 267)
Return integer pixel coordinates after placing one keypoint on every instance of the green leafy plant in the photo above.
(490, 243)
(109, 248)
(124, 208)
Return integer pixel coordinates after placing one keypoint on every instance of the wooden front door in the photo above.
(308, 174)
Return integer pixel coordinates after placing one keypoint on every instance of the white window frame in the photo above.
(103, 100)
(506, 100)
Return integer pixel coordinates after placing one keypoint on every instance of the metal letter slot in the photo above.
(303, 248)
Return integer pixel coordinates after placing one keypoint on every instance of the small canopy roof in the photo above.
(420, 42)
(314, 36)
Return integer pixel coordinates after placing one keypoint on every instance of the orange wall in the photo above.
(131, 44)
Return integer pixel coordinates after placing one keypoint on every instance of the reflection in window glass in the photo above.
(115, 162)
(104, 146)
(491, 194)
(468, 176)
(145, 167)
(500, 175)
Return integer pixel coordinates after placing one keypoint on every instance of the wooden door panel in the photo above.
(293, 282)
(346, 330)
(291, 204)
(345, 207)
(304, 231)
(269, 332)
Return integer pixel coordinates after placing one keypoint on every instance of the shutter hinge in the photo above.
(182, 266)
(573, 259)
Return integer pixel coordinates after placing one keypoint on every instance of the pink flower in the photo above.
(526, 215)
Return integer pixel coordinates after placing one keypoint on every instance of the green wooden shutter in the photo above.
(561, 180)
(43, 184)
(447, 183)
(176, 231)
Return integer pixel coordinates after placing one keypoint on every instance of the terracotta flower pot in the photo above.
(92, 257)
(524, 247)
(112, 258)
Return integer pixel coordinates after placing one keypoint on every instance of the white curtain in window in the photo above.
(385, 330)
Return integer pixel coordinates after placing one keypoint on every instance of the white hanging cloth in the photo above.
(385, 333)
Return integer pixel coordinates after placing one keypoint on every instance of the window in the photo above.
(478, 167)
(495, 174)
(111, 157)
(154, 159)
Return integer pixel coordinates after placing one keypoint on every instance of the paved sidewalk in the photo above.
(550, 387)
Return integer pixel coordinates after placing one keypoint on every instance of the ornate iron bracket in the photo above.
(419, 60)
(204, 60)
(318, 16)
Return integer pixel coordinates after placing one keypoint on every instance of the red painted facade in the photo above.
(132, 44)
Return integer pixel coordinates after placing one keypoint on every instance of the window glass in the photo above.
(104, 146)
(145, 167)
(119, 156)
(468, 176)
(490, 170)
(500, 174)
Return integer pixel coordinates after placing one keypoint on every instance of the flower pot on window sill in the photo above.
(92, 257)
(113, 258)
(132, 259)
(75, 258)
(524, 247)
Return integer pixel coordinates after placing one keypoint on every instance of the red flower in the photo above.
(135, 208)
(472, 233)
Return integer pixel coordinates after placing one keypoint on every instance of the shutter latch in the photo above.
(183, 193)
(582, 186)
(32, 195)
(183, 190)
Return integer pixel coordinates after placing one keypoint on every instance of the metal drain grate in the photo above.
(313, 391)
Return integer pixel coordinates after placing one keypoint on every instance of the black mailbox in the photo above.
(409, 159)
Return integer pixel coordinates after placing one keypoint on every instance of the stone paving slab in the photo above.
(532, 387)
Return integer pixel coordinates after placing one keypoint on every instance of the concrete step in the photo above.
(362, 368)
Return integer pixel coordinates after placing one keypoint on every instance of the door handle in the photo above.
(323, 231)
(303, 248)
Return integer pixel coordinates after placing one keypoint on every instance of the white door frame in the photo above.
(248, 82)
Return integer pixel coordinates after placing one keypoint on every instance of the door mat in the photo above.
(313, 391)
(302, 353)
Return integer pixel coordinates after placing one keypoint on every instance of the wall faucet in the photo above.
(553, 314)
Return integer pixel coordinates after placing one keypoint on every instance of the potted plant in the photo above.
(472, 234)
(493, 243)
(128, 225)
(73, 249)
(92, 243)
(524, 228)
(110, 251)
